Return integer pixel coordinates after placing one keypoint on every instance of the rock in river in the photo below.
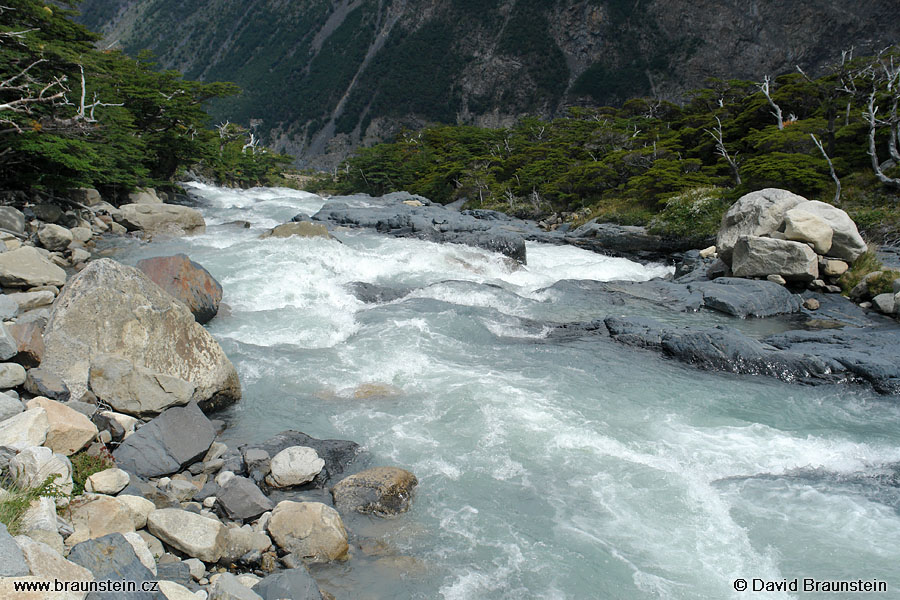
(110, 308)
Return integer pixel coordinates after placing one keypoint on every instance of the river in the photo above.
(549, 466)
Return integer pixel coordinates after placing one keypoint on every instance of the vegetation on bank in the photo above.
(676, 168)
(15, 500)
(73, 115)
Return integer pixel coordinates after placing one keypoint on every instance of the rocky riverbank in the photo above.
(110, 466)
(110, 375)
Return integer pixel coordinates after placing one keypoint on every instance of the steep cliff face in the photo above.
(323, 76)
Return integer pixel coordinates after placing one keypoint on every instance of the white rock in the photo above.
(224, 477)
(141, 549)
(40, 523)
(82, 234)
(311, 530)
(835, 268)
(759, 257)
(294, 466)
(69, 431)
(111, 481)
(54, 237)
(25, 429)
(96, 515)
(846, 244)
(11, 375)
(190, 533)
(758, 213)
(175, 591)
(197, 568)
(138, 509)
(33, 465)
(153, 543)
(46, 562)
(708, 252)
(127, 422)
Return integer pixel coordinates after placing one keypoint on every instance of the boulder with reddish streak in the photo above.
(186, 281)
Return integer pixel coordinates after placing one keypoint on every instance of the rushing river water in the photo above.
(548, 467)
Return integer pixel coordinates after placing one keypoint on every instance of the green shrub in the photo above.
(84, 465)
(15, 500)
(695, 213)
(864, 265)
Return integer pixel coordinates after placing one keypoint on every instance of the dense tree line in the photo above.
(74, 115)
(649, 156)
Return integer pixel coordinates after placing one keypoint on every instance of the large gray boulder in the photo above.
(35, 464)
(110, 308)
(12, 561)
(296, 584)
(25, 429)
(156, 219)
(12, 219)
(195, 535)
(27, 267)
(111, 557)
(54, 238)
(846, 242)
(803, 226)
(759, 257)
(311, 530)
(168, 443)
(758, 213)
(136, 390)
(241, 499)
(187, 281)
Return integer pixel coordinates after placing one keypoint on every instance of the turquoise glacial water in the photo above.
(548, 467)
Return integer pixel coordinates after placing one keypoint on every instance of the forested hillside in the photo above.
(321, 77)
(72, 115)
(675, 167)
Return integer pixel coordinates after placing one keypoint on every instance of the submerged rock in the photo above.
(310, 530)
(109, 308)
(337, 454)
(383, 491)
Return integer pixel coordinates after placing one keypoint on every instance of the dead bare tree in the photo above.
(776, 110)
(889, 78)
(837, 181)
(722, 151)
(27, 92)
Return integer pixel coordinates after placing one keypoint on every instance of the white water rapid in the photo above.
(550, 468)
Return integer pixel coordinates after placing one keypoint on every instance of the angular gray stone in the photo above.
(54, 237)
(45, 382)
(141, 323)
(136, 390)
(746, 297)
(30, 300)
(178, 572)
(758, 213)
(9, 407)
(8, 346)
(296, 584)
(46, 562)
(12, 219)
(165, 445)
(846, 243)
(112, 557)
(9, 308)
(227, 587)
(161, 219)
(27, 267)
(12, 561)
(241, 499)
(760, 257)
(240, 541)
(25, 429)
(884, 303)
(195, 535)
(311, 530)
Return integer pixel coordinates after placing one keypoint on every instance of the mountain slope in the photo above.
(323, 76)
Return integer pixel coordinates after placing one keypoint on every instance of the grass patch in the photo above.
(695, 213)
(866, 264)
(621, 211)
(84, 465)
(15, 500)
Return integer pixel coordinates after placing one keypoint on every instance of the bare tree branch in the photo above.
(776, 110)
(837, 182)
(723, 152)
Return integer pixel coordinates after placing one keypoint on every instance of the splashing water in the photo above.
(572, 468)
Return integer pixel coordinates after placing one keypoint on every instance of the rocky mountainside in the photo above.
(322, 76)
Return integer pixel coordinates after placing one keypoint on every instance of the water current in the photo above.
(549, 467)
